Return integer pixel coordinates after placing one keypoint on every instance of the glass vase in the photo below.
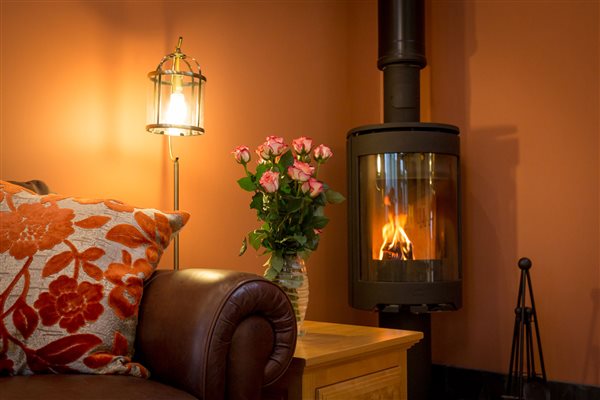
(294, 282)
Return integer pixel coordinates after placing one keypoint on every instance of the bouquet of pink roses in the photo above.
(288, 197)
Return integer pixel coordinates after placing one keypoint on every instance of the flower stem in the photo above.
(277, 203)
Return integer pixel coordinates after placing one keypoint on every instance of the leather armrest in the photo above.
(199, 328)
(36, 186)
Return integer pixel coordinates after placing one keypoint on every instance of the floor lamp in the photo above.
(176, 108)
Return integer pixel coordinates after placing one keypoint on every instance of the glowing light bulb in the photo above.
(177, 111)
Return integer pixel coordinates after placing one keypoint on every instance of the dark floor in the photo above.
(451, 383)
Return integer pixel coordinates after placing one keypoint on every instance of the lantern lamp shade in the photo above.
(176, 98)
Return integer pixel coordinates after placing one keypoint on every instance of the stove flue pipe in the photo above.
(401, 57)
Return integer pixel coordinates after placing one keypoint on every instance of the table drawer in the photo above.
(386, 384)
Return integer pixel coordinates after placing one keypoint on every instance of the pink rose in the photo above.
(272, 147)
(273, 138)
(302, 145)
(276, 145)
(241, 154)
(322, 153)
(263, 152)
(313, 187)
(270, 181)
(300, 171)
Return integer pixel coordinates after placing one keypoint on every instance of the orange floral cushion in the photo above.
(72, 273)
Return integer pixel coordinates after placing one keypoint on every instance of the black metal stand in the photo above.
(526, 384)
(419, 355)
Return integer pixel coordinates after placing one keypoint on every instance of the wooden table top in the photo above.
(324, 341)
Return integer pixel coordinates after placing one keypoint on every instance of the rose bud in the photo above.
(300, 171)
(302, 145)
(316, 187)
(270, 181)
(322, 153)
(313, 187)
(241, 154)
(263, 152)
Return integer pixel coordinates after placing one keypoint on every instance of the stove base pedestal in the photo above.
(418, 356)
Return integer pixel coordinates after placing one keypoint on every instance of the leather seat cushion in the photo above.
(87, 387)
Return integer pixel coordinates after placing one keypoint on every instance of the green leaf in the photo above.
(247, 184)
(257, 201)
(260, 170)
(313, 243)
(276, 262)
(320, 200)
(319, 222)
(301, 239)
(334, 197)
(270, 274)
(286, 160)
(244, 246)
(256, 238)
(284, 184)
(294, 204)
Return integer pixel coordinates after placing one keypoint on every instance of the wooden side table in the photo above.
(344, 362)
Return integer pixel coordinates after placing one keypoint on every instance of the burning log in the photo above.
(396, 244)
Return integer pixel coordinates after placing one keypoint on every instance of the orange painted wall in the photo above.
(74, 101)
(525, 94)
(521, 80)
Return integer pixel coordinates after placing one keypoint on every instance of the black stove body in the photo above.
(404, 216)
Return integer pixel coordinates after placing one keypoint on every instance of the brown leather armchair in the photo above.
(203, 333)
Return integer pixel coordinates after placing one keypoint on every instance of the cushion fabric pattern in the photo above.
(71, 279)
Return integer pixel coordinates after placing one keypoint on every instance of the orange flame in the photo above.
(396, 244)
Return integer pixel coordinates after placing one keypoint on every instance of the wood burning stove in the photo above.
(404, 198)
(404, 213)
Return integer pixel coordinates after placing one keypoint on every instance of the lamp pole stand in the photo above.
(175, 203)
